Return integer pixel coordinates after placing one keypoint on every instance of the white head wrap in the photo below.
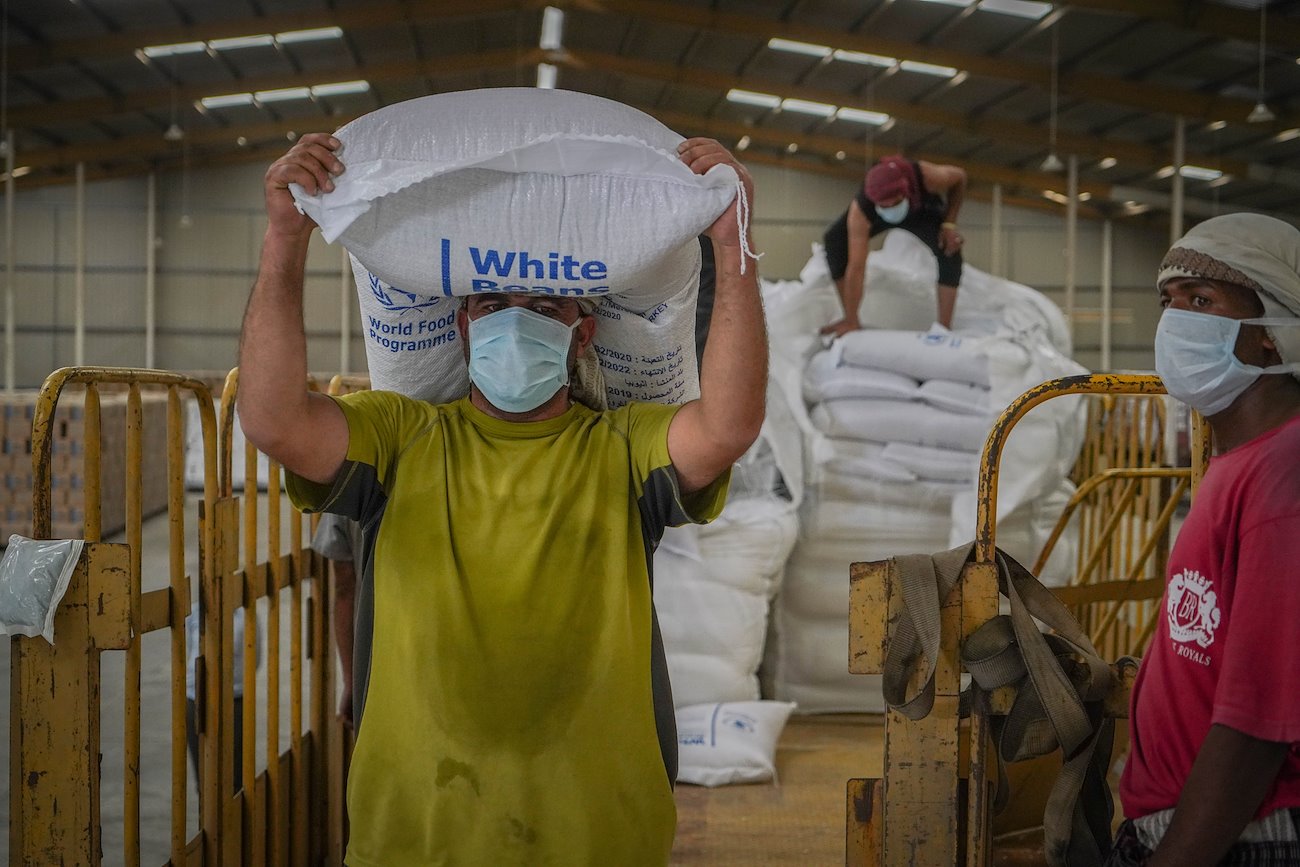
(1252, 250)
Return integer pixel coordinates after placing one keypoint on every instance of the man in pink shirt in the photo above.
(1214, 772)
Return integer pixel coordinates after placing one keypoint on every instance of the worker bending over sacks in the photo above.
(920, 197)
(1214, 772)
(517, 709)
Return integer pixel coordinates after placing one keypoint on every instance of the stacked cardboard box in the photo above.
(67, 462)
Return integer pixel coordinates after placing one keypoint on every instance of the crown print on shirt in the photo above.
(1193, 609)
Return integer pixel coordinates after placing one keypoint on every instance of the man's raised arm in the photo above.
(708, 435)
(305, 432)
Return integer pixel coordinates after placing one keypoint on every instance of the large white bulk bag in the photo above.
(521, 190)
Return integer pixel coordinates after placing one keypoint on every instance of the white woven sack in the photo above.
(731, 742)
(521, 190)
(938, 354)
(901, 421)
(826, 378)
(928, 462)
(959, 397)
(861, 459)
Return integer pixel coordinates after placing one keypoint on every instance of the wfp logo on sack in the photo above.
(396, 300)
(553, 272)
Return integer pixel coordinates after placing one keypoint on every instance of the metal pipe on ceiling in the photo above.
(1107, 292)
(1071, 238)
(1176, 199)
(79, 270)
(9, 261)
(995, 232)
(151, 271)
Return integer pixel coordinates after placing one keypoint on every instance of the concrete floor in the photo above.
(155, 686)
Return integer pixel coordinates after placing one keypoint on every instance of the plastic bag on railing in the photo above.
(34, 575)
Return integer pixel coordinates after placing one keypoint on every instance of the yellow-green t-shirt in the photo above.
(512, 697)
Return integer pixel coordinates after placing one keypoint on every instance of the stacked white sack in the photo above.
(713, 585)
(521, 190)
(895, 423)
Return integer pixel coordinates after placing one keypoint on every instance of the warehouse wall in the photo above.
(207, 263)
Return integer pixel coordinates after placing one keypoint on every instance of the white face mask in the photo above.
(894, 214)
(1196, 357)
(519, 359)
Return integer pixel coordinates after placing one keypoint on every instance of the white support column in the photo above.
(151, 272)
(10, 374)
(1071, 240)
(995, 233)
(79, 271)
(1107, 288)
(1176, 199)
(347, 298)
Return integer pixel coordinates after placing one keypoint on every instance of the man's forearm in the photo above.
(852, 287)
(1229, 779)
(955, 199)
(733, 371)
(273, 344)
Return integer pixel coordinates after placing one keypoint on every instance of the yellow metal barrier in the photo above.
(933, 805)
(55, 692)
(281, 813)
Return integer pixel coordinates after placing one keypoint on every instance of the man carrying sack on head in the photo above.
(516, 708)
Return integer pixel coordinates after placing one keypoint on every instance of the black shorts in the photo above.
(925, 226)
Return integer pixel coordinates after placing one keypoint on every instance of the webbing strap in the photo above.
(926, 582)
(1060, 681)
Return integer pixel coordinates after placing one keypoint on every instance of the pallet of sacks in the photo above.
(893, 422)
(67, 462)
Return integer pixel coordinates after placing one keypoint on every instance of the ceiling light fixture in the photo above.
(282, 94)
(315, 34)
(928, 68)
(226, 100)
(864, 58)
(859, 115)
(552, 38)
(794, 47)
(1030, 9)
(804, 106)
(743, 143)
(749, 97)
(259, 40)
(174, 49)
(174, 132)
(1107, 163)
(340, 88)
(1261, 112)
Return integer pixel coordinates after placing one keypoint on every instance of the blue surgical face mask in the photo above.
(894, 214)
(519, 359)
(1196, 357)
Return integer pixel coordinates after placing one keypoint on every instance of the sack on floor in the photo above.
(521, 190)
(730, 742)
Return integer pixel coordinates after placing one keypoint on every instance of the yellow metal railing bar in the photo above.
(34, 842)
